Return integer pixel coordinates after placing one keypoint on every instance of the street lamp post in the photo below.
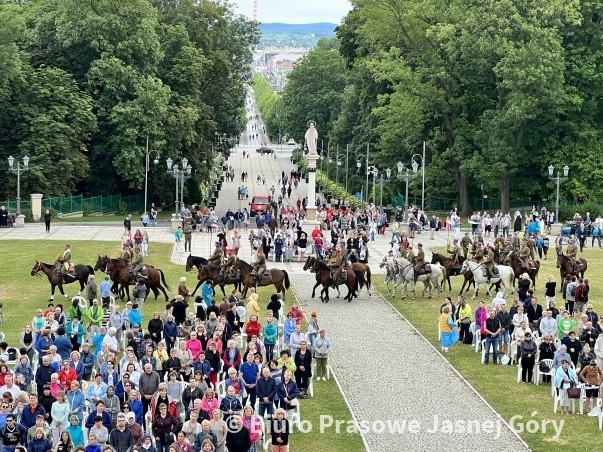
(415, 167)
(347, 157)
(374, 171)
(20, 168)
(359, 165)
(180, 174)
(558, 180)
(339, 162)
(146, 170)
(407, 176)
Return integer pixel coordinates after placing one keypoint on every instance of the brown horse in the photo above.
(513, 261)
(278, 278)
(452, 268)
(119, 271)
(209, 273)
(565, 266)
(354, 280)
(81, 275)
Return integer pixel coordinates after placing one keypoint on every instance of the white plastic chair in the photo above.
(295, 416)
(540, 374)
(477, 337)
(221, 388)
(573, 401)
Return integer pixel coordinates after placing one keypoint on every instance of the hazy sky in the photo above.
(296, 11)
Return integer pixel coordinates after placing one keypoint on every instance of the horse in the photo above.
(451, 268)
(405, 270)
(513, 261)
(354, 280)
(565, 266)
(119, 270)
(505, 276)
(82, 272)
(194, 261)
(209, 273)
(366, 272)
(276, 277)
(309, 265)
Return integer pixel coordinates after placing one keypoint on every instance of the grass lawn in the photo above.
(498, 384)
(21, 294)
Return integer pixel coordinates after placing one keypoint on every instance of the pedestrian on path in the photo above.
(322, 348)
(47, 218)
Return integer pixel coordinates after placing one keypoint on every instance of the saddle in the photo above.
(425, 269)
(495, 271)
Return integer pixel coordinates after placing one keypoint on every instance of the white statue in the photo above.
(311, 138)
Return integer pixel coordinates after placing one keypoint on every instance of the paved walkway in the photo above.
(391, 374)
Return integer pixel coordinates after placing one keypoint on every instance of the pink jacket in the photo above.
(195, 347)
(254, 426)
(210, 405)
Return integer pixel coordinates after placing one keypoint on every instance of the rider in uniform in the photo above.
(572, 253)
(227, 265)
(335, 263)
(531, 243)
(465, 244)
(419, 260)
(489, 261)
(478, 255)
(525, 256)
(126, 253)
(455, 251)
(137, 264)
(65, 261)
(259, 266)
(216, 258)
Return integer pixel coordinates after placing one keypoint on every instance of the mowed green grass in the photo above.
(21, 294)
(498, 384)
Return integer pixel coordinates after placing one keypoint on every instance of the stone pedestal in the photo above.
(176, 223)
(36, 206)
(20, 221)
(310, 221)
(556, 228)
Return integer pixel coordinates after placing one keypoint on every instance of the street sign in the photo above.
(358, 195)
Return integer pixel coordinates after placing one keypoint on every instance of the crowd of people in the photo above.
(200, 376)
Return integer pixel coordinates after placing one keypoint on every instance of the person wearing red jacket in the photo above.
(231, 356)
(252, 327)
(66, 375)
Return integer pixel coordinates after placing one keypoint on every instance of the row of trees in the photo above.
(85, 82)
(499, 90)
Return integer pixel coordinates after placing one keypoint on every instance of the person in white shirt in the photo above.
(111, 340)
(296, 337)
(9, 386)
(548, 325)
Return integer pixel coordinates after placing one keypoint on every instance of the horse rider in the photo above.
(216, 258)
(465, 244)
(455, 251)
(335, 263)
(391, 262)
(572, 254)
(137, 264)
(259, 265)
(126, 253)
(65, 262)
(516, 242)
(489, 261)
(500, 244)
(419, 260)
(525, 256)
(478, 255)
(226, 267)
(532, 247)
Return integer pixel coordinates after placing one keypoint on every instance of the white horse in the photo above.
(403, 272)
(505, 276)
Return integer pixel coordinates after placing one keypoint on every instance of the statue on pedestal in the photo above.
(311, 138)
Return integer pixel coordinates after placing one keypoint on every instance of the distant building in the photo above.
(277, 63)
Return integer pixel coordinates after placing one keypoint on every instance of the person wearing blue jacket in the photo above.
(31, 411)
(270, 336)
(77, 401)
(100, 411)
(76, 432)
(207, 293)
(170, 332)
(287, 391)
(87, 358)
(43, 343)
(39, 443)
(63, 345)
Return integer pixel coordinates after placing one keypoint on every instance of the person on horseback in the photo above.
(259, 266)
(455, 251)
(226, 267)
(419, 260)
(137, 264)
(126, 253)
(478, 254)
(216, 258)
(335, 263)
(524, 256)
(465, 244)
(531, 244)
(572, 254)
(64, 261)
(489, 262)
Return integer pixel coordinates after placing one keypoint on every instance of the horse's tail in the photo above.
(163, 279)
(287, 282)
(368, 276)
(90, 269)
(360, 281)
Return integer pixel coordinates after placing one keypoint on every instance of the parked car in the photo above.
(265, 150)
(258, 204)
(291, 142)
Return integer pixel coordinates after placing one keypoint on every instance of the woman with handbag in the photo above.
(164, 427)
(528, 350)
(287, 392)
(566, 382)
(448, 332)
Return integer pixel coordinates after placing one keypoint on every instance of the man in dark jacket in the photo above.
(237, 439)
(191, 393)
(274, 305)
(179, 309)
(31, 411)
(43, 373)
(534, 313)
(121, 438)
(266, 393)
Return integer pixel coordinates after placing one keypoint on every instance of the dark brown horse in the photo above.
(119, 271)
(565, 266)
(513, 261)
(278, 278)
(452, 268)
(81, 275)
(354, 280)
(194, 261)
(209, 273)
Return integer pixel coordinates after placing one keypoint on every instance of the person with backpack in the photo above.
(570, 295)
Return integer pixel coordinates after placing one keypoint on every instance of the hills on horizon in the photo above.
(296, 35)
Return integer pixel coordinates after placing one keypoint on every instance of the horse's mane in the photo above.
(245, 265)
(321, 264)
